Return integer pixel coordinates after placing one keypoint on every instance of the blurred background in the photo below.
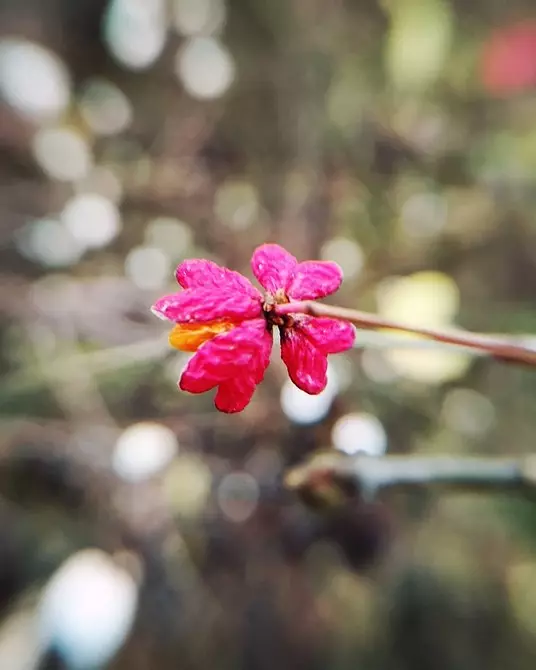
(139, 527)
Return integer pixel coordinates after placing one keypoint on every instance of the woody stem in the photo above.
(506, 351)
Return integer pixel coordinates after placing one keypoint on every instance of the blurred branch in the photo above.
(99, 362)
(331, 478)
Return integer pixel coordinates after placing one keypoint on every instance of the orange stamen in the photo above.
(190, 336)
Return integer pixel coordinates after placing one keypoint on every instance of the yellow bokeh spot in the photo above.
(190, 336)
(425, 299)
(428, 299)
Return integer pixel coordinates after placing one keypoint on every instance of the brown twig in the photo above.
(505, 351)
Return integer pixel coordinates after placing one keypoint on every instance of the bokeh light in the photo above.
(92, 219)
(136, 32)
(468, 412)
(238, 494)
(188, 485)
(143, 450)
(104, 107)
(359, 433)
(424, 298)
(236, 205)
(302, 408)
(347, 253)
(423, 215)
(148, 267)
(172, 236)
(418, 43)
(48, 242)
(102, 181)
(87, 609)
(62, 153)
(33, 80)
(205, 68)
(428, 299)
(377, 367)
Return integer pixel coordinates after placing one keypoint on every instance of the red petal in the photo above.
(234, 395)
(329, 335)
(206, 304)
(194, 378)
(273, 267)
(314, 279)
(306, 364)
(235, 360)
(200, 273)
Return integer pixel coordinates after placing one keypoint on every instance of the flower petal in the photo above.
(200, 273)
(306, 364)
(236, 360)
(190, 336)
(329, 335)
(200, 305)
(314, 279)
(273, 267)
(194, 378)
(234, 395)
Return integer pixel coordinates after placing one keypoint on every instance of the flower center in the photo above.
(271, 300)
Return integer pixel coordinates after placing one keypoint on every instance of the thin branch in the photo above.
(380, 340)
(503, 350)
(332, 478)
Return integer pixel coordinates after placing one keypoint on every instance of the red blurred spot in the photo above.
(508, 62)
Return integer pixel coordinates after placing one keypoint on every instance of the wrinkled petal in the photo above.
(194, 379)
(190, 336)
(200, 273)
(329, 335)
(235, 360)
(306, 364)
(273, 267)
(234, 395)
(314, 279)
(200, 305)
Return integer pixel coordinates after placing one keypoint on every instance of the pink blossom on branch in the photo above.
(228, 323)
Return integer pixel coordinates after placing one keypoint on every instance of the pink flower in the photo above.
(508, 62)
(229, 323)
